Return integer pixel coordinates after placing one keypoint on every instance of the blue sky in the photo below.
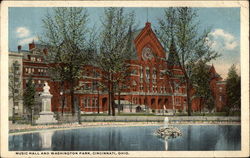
(25, 23)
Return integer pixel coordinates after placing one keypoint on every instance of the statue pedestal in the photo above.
(46, 116)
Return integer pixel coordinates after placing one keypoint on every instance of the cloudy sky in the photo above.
(26, 23)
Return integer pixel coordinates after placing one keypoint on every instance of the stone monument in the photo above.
(46, 116)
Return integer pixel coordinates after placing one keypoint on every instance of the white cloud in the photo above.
(222, 40)
(27, 40)
(22, 32)
(231, 45)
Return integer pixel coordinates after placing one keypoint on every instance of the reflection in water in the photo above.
(166, 144)
(195, 138)
(46, 139)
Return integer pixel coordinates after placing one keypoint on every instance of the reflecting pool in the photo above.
(194, 138)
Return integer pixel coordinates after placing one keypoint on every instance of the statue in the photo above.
(46, 116)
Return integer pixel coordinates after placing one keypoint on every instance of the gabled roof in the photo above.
(132, 45)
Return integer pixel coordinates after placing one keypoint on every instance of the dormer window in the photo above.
(39, 59)
(32, 58)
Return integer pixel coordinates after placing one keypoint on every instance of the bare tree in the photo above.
(192, 46)
(67, 36)
(14, 86)
(115, 48)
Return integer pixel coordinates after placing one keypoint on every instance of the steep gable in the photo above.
(147, 38)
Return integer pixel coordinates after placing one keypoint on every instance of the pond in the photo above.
(139, 138)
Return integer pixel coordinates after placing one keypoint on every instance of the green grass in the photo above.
(121, 114)
(95, 114)
(136, 114)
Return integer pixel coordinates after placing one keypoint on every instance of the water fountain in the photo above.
(167, 131)
(166, 121)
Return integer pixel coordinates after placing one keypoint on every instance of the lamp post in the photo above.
(61, 96)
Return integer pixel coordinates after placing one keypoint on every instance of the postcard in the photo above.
(124, 79)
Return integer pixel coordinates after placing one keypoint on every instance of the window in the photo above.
(96, 74)
(154, 80)
(141, 74)
(141, 87)
(161, 89)
(148, 88)
(133, 72)
(177, 101)
(220, 89)
(32, 58)
(154, 73)
(134, 83)
(94, 103)
(154, 88)
(86, 102)
(94, 85)
(87, 86)
(147, 73)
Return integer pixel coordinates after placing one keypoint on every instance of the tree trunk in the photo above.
(79, 115)
(98, 102)
(72, 98)
(31, 117)
(112, 100)
(13, 109)
(109, 95)
(63, 103)
(109, 104)
(188, 97)
(200, 103)
(63, 97)
(119, 102)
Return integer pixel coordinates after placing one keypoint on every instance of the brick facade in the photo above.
(148, 87)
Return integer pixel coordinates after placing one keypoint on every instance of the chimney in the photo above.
(19, 48)
(32, 45)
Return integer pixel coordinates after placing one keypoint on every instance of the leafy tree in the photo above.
(192, 46)
(115, 48)
(14, 86)
(201, 82)
(233, 90)
(29, 97)
(67, 36)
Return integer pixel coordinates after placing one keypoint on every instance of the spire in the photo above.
(147, 14)
(173, 56)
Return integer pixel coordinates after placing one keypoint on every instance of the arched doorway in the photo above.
(104, 104)
(160, 104)
(153, 103)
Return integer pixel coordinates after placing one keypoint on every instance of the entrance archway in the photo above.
(104, 104)
(153, 103)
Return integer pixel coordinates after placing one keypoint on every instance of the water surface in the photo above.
(194, 138)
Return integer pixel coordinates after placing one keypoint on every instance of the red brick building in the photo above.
(149, 87)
